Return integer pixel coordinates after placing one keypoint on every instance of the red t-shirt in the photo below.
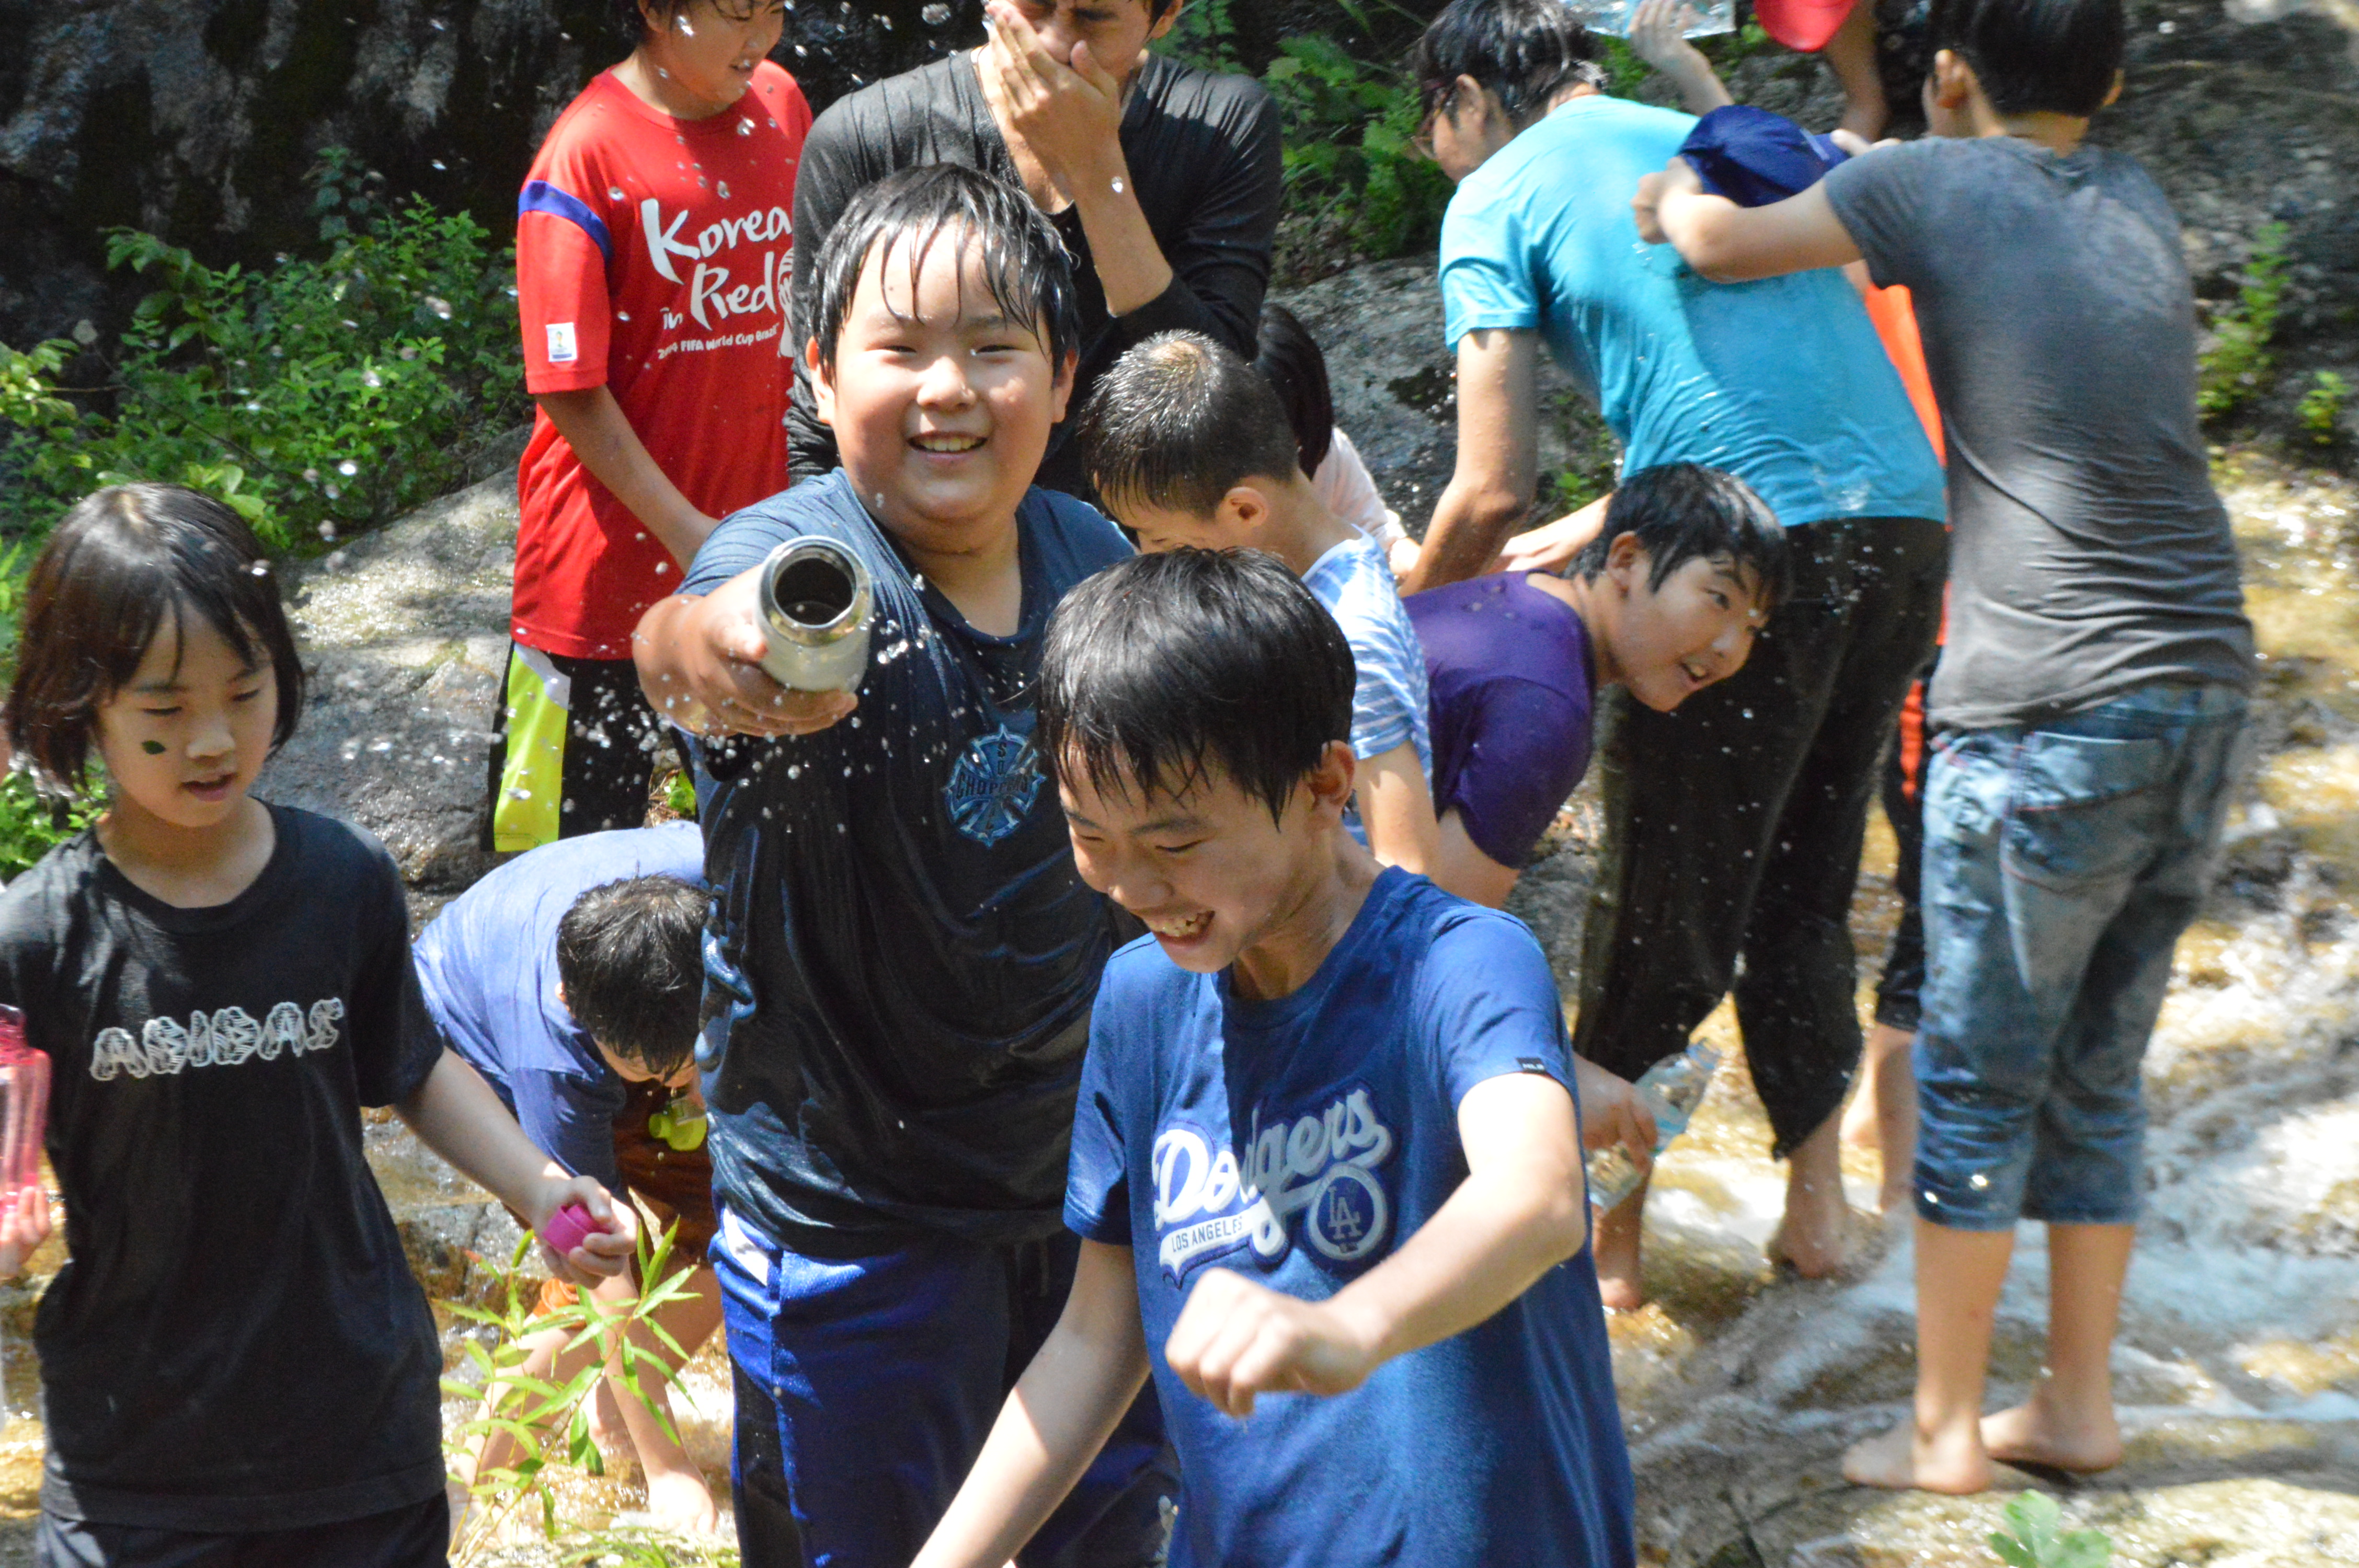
(652, 259)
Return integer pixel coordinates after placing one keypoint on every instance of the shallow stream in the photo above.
(2238, 1362)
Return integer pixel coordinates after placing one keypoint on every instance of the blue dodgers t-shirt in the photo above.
(488, 968)
(1513, 695)
(1298, 1141)
(902, 954)
(1781, 382)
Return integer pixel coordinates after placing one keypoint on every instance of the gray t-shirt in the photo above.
(2090, 553)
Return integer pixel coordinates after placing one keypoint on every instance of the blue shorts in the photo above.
(866, 1389)
(2061, 862)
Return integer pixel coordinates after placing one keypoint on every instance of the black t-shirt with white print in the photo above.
(238, 1343)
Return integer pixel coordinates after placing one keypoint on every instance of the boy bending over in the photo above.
(1189, 445)
(902, 955)
(1327, 1161)
(2088, 699)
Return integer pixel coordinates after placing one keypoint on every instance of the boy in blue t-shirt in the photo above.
(1327, 1159)
(901, 957)
(1189, 445)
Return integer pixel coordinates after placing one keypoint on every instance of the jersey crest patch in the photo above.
(993, 786)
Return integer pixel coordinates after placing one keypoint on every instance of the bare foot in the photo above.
(2034, 1432)
(1900, 1459)
(681, 1499)
(1814, 1236)
(1619, 1282)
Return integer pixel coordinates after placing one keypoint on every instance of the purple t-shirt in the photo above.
(1511, 694)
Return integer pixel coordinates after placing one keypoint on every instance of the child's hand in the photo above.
(719, 666)
(24, 1226)
(604, 1252)
(1678, 177)
(1236, 1339)
(1611, 1113)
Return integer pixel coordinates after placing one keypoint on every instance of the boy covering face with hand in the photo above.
(1327, 1163)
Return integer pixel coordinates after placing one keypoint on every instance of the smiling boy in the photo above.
(1327, 1160)
(902, 955)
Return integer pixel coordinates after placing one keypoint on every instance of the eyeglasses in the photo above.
(1421, 143)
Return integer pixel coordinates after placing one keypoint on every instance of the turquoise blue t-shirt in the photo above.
(1781, 382)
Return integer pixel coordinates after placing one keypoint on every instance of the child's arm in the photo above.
(1498, 459)
(24, 1226)
(1729, 244)
(1396, 807)
(456, 1114)
(1061, 1414)
(1460, 866)
(1658, 36)
(592, 423)
(697, 665)
(1518, 1214)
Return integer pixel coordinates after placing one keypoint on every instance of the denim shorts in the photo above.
(2063, 859)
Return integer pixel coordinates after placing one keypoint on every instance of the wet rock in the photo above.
(405, 631)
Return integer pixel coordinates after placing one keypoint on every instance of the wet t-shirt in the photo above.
(238, 1343)
(488, 969)
(1781, 381)
(1513, 701)
(902, 954)
(2089, 553)
(1299, 1142)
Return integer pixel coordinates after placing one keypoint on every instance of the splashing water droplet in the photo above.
(348, 468)
(331, 492)
(934, 15)
(327, 530)
(370, 378)
(794, 772)
(441, 308)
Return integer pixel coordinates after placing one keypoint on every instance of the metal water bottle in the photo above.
(817, 600)
(24, 1105)
(1671, 1088)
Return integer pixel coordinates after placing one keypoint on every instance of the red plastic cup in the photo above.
(24, 1105)
(568, 1227)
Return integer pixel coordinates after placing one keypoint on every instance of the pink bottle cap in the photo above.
(567, 1226)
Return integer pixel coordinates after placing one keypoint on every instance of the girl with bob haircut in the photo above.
(237, 1365)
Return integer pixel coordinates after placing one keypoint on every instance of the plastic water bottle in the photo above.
(24, 1105)
(1671, 1088)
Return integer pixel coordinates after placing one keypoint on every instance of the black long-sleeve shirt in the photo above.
(1204, 156)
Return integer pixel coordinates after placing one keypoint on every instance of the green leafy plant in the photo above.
(316, 397)
(549, 1422)
(2320, 410)
(31, 822)
(2239, 360)
(2031, 1539)
(1356, 185)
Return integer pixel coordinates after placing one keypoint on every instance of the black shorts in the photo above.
(418, 1536)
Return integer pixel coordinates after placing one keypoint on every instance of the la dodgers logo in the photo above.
(1319, 1166)
(993, 786)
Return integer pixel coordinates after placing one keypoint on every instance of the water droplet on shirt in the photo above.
(744, 127)
(614, 193)
(934, 15)
(622, 314)
(721, 189)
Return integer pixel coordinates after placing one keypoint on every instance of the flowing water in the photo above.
(2238, 1363)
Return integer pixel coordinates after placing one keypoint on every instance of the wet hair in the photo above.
(1024, 263)
(632, 24)
(2060, 56)
(631, 957)
(1684, 511)
(1289, 359)
(124, 565)
(1166, 668)
(1177, 422)
(1524, 51)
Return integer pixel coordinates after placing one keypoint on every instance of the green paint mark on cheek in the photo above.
(153, 748)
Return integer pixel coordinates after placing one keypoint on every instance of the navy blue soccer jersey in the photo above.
(1300, 1141)
(902, 954)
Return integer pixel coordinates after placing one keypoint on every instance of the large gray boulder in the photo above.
(405, 638)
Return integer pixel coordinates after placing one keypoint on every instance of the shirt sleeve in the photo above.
(394, 1042)
(742, 542)
(570, 1120)
(1221, 257)
(1879, 198)
(1490, 1006)
(1097, 1180)
(1528, 745)
(834, 169)
(1487, 280)
(562, 251)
